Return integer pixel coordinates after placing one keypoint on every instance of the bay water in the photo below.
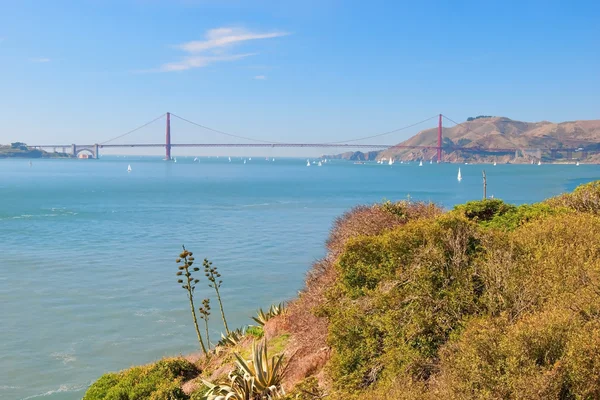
(87, 250)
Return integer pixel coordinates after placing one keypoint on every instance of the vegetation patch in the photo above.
(489, 300)
(158, 381)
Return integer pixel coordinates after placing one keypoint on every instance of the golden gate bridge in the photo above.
(94, 149)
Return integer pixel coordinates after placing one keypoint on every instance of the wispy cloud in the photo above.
(225, 37)
(40, 60)
(216, 48)
(260, 77)
(200, 61)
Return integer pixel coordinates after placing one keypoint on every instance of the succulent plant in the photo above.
(257, 378)
(266, 374)
(262, 317)
(233, 338)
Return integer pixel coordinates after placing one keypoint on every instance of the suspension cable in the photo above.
(386, 133)
(340, 142)
(223, 133)
(133, 130)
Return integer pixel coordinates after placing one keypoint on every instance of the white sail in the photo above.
(308, 163)
(390, 162)
(539, 163)
(577, 164)
(420, 163)
(459, 177)
(129, 168)
(229, 159)
(319, 164)
(494, 163)
(195, 159)
(244, 161)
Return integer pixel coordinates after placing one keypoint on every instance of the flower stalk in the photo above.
(189, 284)
(213, 276)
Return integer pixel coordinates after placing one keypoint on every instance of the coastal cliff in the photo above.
(487, 300)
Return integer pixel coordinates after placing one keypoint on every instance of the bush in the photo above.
(399, 297)
(488, 301)
(484, 210)
(375, 219)
(585, 198)
(158, 381)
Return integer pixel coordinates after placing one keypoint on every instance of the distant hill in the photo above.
(355, 156)
(532, 139)
(20, 150)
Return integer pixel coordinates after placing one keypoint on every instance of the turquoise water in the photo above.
(87, 250)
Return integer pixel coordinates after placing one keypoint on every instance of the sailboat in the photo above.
(249, 158)
(430, 161)
(195, 159)
(229, 159)
(390, 162)
(539, 163)
(244, 161)
(459, 177)
(319, 164)
(577, 164)
(494, 163)
(308, 163)
(421, 163)
(129, 168)
(273, 160)
(175, 159)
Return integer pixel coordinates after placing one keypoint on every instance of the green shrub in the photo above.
(585, 198)
(488, 301)
(484, 210)
(161, 380)
(399, 297)
(256, 331)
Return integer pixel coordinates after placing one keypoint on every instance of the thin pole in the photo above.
(484, 185)
(168, 138)
(439, 146)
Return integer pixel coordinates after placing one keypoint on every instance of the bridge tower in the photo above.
(439, 146)
(168, 138)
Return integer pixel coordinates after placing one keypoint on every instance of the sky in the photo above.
(85, 71)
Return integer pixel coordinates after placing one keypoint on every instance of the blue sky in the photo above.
(328, 70)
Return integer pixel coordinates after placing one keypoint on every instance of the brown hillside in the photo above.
(502, 133)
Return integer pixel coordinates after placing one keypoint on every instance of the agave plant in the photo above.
(255, 379)
(266, 374)
(275, 310)
(261, 317)
(237, 389)
(232, 338)
(278, 309)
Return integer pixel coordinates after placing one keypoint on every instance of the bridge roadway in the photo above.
(94, 148)
(304, 145)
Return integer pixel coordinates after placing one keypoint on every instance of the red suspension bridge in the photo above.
(94, 149)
